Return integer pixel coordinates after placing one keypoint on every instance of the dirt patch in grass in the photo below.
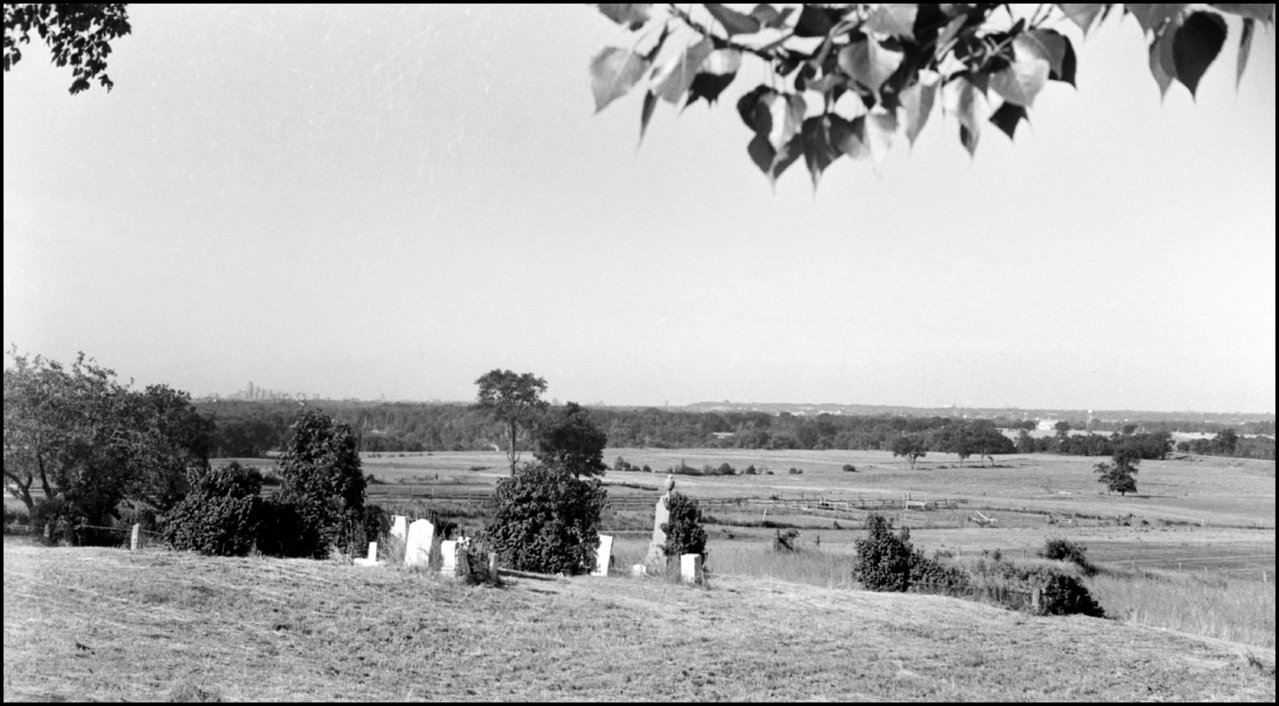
(107, 624)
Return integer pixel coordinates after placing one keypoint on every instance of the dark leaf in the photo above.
(869, 63)
(1195, 46)
(818, 152)
(733, 21)
(613, 72)
(968, 140)
(650, 102)
(747, 103)
(814, 22)
(1008, 117)
(630, 16)
(708, 86)
(1061, 55)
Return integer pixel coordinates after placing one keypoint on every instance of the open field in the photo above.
(107, 624)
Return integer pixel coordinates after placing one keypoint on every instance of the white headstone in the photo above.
(448, 548)
(399, 526)
(638, 570)
(372, 559)
(135, 537)
(417, 548)
(603, 556)
(690, 567)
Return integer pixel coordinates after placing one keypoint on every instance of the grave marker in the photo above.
(417, 548)
(603, 556)
(655, 560)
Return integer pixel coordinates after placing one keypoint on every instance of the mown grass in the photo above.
(106, 624)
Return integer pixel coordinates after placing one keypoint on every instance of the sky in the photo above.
(390, 202)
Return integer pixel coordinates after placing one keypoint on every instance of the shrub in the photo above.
(750, 470)
(795, 471)
(1064, 550)
(935, 576)
(322, 480)
(546, 521)
(219, 515)
(684, 531)
(785, 541)
(850, 468)
(284, 531)
(726, 470)
(883, 561)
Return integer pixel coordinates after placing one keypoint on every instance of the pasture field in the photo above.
(97, 623)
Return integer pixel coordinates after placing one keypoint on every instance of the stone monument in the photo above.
(417, 548)
(603, 556)
(655, 560)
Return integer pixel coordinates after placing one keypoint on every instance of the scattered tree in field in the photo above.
(569, 439)
(547, 520)
(79, 35)
(984, 63)
(883, 560)
(323, 482)
(89, 445)
(1118, 476)
(515, 401)
(910, 447)
(1063, 428)
(683, 528)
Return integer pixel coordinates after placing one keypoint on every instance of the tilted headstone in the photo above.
(690, 568)
(417, 549)
(603, 556)
(655, 560)
(399, 526)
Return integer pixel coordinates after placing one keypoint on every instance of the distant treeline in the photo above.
(248, 429)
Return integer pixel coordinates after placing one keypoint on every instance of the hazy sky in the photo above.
(393, 201)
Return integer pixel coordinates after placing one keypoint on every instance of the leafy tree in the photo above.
(571, 440)
(883, 561)
(86, 443)
(911, 447)
(219, 516)
(514, 400)
(1225, 442)
(895, 62)
(77, 34)
(1063, 428)
(1118, 476)
(547, 520)
(684, 531)
(322, 480)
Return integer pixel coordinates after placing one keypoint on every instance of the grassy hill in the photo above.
(106, 624)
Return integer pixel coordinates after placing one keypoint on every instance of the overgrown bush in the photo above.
(883, 561)
(284, 531)
(322, 481)
(850, 468)
(1058, 549)
(785, 541)
(547, 520)
(1060, 592)
(219, 516)
(684, 531)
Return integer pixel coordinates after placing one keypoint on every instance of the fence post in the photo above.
(134, 537)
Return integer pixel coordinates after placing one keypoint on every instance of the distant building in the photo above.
(1047, 425)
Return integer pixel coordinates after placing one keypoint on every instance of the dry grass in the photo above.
(104, 624)
(1210, 605)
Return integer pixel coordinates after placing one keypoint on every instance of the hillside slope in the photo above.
(105, 624)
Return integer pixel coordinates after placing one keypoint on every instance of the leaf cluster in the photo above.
(846, 80)
(684, 531)
(569, 439)
(77, 34)
(220, 515)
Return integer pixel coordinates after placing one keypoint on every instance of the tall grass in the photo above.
(1237, 610)
(812, 566)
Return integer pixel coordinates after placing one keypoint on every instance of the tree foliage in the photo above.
(323, 482)
(220, 514)
(849, 80)
(883, 560)
(83, 444)
(570, 439)
(547, 520)
(910, 447)
(77, 34)
(513, 399)
(683, 528)
(1119, 475)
